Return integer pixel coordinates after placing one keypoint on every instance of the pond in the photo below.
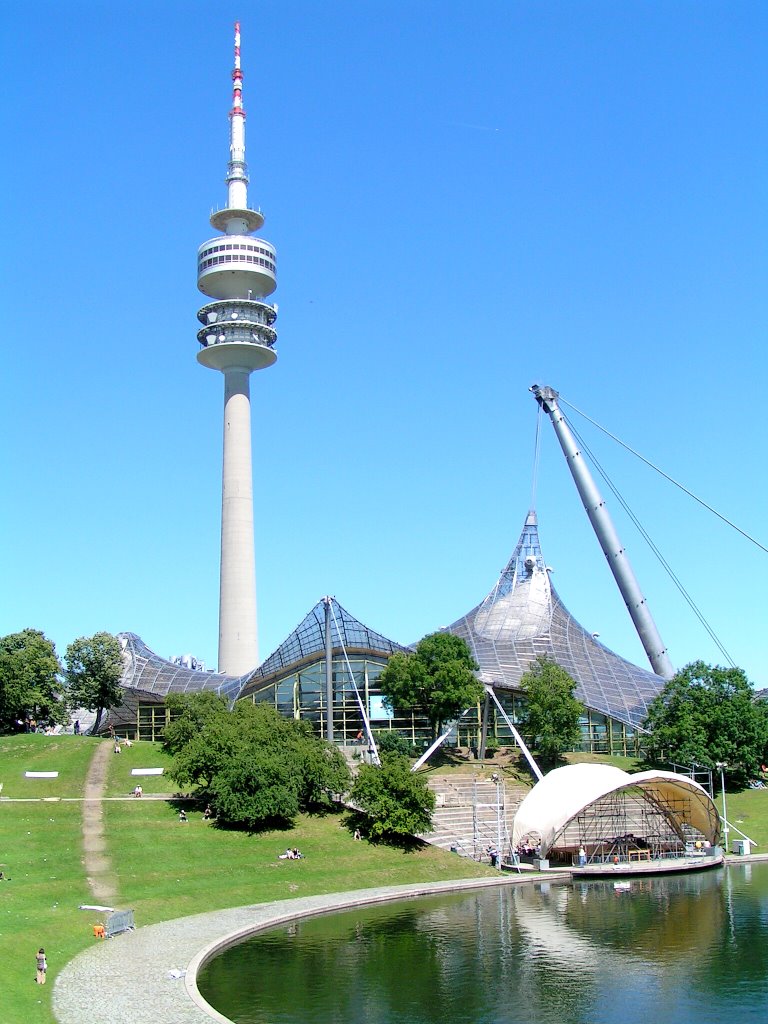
(670, 949)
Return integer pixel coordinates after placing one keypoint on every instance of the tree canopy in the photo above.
(30, 680)
(550, 715)
(438, 679)
(707, 714)
(94, 670)
(396, 800)
(191, 715)
(254, 766)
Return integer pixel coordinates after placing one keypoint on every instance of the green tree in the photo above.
(707, 714)
(397, 801)
(393, 742)
(438, 679)
(191, 714)
(30, 680)
(256, 788)
(322, 771)
(94, 670)
(253, 765)
(197, 764)
(550, 716)
(311, 767)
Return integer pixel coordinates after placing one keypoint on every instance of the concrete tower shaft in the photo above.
(237, 271)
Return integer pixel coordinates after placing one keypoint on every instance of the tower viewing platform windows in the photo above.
(215, 261)
(237, 248)
(233, 266)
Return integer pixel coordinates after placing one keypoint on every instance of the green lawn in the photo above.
(627, 764)
(40, 851)
(167, 869)
(67, 755)
(748, 811)
(120, 782)
(514, 764)
(164, 869)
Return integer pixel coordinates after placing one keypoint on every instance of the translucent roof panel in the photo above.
(523, 618)
(147, 672)
(144, 670)
(307, 641)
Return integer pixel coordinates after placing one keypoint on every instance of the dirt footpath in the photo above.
(98, 867)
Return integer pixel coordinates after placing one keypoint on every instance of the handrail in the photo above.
(742, 834)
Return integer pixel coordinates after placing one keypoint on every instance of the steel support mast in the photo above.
(607, 536)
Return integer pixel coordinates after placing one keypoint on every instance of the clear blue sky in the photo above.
(465, 199)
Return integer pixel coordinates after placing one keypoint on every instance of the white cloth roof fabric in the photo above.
(566, 792)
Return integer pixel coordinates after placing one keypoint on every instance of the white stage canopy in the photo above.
(565, 792)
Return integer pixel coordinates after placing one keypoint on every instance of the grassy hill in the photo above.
(164, 869)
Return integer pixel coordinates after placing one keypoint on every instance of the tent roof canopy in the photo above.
(565, 792)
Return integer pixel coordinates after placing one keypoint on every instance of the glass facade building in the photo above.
(521, 619)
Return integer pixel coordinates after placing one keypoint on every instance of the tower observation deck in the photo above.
(237, 272)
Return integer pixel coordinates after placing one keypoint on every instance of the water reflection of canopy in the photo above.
(543, 919)
(565, 793)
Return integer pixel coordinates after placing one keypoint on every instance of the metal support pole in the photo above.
(607, 536)
(484, 730)
(328, 671)
(373, 750)
(499, 836)
(518, 738)
(722, 766)
(439, 741)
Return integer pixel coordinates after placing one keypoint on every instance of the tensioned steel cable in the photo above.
(649, 541)
(667, 476)
(646, 536)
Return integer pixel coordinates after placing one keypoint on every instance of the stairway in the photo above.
(467, 818)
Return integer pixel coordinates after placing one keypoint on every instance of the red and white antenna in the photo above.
(237, 172)
(237, 78)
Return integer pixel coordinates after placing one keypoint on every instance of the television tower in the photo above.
(237, 271)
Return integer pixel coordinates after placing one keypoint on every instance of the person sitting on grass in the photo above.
(183, 816)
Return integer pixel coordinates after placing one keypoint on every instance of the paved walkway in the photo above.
(135, 977)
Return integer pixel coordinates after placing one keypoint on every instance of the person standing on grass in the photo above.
(42, 966)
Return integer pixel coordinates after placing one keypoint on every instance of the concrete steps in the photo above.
(473, 812)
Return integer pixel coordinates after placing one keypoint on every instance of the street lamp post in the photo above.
(722, 766)
(499, 836)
